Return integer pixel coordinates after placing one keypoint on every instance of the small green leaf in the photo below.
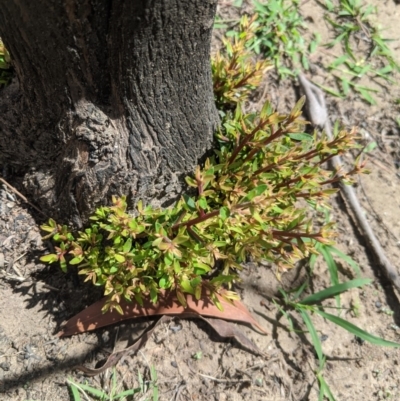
(180, 239)
(185, 285)
(197, 292)
(203, 203)
(370, 147)
(181, 298)
(153, 295)
(76, 261)
(139, 299)
(191, 182)
(119, 258)
(50, 258)
(224, 213)
(255, 192)
(118, 309)
(128, 245)
(189, 202)
(177, 266)
(163, 283)
(301, 136)
(157, 242)
(195, 282)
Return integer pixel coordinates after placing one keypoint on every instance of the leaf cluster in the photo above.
(234, 71)
(277, 33)
(280, 35)
(5, 66)
(83, 391)
(252, 199)
(350, 20)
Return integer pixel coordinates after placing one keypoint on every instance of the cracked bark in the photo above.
(113, 97)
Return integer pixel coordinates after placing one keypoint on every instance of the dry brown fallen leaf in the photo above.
(92, 317)
(167, 306)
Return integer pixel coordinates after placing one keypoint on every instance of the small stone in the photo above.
(5, 366)
(176, 328)
(174, 364)
(324, 337)
(105, 337)
(378, 304)
(222, 397)
(258, 382)
(359, 340)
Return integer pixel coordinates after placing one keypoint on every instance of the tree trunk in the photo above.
(114, 97)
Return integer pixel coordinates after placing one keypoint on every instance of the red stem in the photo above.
(244, 142)
(294, 235)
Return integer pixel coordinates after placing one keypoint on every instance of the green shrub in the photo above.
(252, 200)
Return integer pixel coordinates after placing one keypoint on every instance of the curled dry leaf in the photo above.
(92, 317)
(167, 307)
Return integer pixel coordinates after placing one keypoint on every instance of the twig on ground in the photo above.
(224, 380)
(11, 277)
(16, 270)
(317, 112)
(20, 257)
(21, 196)
(181, 385)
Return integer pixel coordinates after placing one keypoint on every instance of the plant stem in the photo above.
(246, 140)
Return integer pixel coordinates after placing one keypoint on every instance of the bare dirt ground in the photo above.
(34, 363)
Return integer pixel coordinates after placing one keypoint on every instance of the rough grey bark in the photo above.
(114, 97)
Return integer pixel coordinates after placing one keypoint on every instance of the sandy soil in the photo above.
(34, 363)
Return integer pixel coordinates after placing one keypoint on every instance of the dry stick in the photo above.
(21, 196)
(317, 111)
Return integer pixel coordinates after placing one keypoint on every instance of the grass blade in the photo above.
(153, 374)
(332, 268)
(127, 393)
(334, 290)
(287, 316)
(74, 391)
(314, 337)
(325, 391)
(346, 259)
(353, 329)
(94, 391)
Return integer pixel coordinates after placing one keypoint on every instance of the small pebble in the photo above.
(176, 328)
(324, 337)
(258, 382)
(378, 304)
(174, 364)
(5, 366)
(10, 197)
(360, 341)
